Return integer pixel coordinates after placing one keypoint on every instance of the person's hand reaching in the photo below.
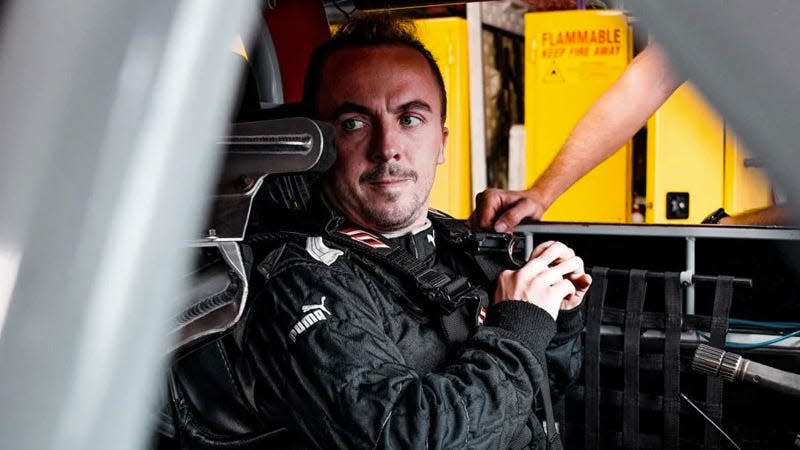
(502, 210)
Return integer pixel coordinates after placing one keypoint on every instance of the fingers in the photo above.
(563, 288)
(541, 248)
(552, 251)
(553, 279)
(570, 267)
(523, 208)
(581, 281)
(556, 276)
(560, 290)
(487, 205)
(552, 268)
(502, 210)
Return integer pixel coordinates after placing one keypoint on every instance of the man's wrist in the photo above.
(540, 196)
(715, 217)
(530, 324)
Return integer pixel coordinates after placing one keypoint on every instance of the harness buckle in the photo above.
(447, 293)
(507, 247)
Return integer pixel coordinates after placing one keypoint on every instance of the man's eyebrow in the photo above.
(350, 107)
(414, 104)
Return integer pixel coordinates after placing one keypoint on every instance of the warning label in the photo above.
(612, 36)
(553, 74)
(580, 54)
(595, 42)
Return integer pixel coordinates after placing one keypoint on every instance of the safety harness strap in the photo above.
(553, 438)
(591, 370)
(637, 285)
(719, 330)
(672, 360)
(447, 293)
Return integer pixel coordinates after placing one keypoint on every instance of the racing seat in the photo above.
(271, 152)
(206, 406)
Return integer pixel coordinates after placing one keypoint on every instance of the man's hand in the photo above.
(502, 210)
(552, 279)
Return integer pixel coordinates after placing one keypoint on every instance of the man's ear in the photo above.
(445, 133)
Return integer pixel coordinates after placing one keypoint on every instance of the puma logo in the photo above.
(307, 308)
(313, 314)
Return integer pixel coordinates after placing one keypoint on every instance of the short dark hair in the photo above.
(367, 30)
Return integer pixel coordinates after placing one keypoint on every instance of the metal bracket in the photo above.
(686, 275)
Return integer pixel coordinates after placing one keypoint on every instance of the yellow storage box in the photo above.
(446, 38)
(571, 58)
(692, 156)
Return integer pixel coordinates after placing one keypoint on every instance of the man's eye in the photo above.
(410, 121)
(352, 124)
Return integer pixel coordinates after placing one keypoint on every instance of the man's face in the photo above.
(386, 107)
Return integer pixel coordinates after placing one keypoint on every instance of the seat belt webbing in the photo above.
(719, 330)
(591, 371)
(553, 438)
(672, 359)
(637, 285)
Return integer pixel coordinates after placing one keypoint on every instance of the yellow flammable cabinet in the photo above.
(685, 159)
(571, 58)
(446, 38)
(746, 185)
(695, 165)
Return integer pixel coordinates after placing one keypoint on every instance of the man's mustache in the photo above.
(387, 170)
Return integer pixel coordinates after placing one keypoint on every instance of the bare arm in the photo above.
(616, 116)
(770, 215)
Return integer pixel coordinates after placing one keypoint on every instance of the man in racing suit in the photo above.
(336, 347)
(341, 355)
(346, 359)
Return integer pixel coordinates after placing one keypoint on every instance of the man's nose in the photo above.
(386, 144)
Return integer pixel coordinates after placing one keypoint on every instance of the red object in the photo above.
(296, 27)
(482, 315)
(364, 237)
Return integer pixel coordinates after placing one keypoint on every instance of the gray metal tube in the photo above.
(690, 270)
(109, 114)
(732, 367)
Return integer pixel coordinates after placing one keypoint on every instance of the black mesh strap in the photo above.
(614, 398)
(637, 286)
(672, 360)
(553, 438)
(719, 329)
(591, 368)
(647, 361)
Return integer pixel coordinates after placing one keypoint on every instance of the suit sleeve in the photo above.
(565, 352)
(343, 381)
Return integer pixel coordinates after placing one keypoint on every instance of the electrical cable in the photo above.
(769, 325)
(700, 411)
(762, 324)
(750, 346)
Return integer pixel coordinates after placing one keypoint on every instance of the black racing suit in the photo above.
(332, 351)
